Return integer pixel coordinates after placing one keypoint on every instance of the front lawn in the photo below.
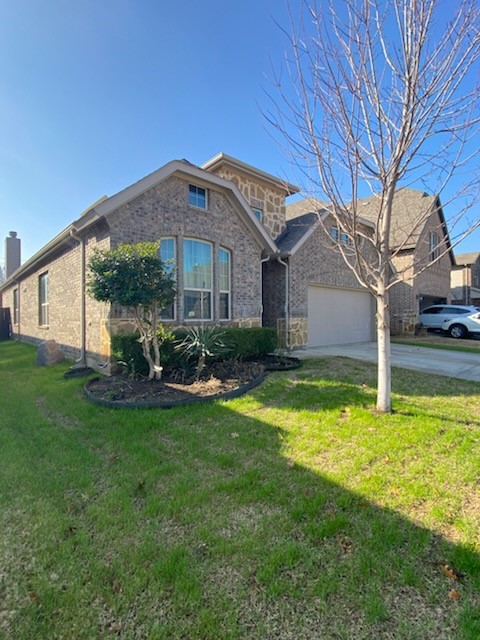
(294, 512)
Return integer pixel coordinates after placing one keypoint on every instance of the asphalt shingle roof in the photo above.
(295, 231)
(467, 258)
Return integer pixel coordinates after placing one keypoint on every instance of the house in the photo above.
(465, 281)
(418, 236)
(243, 258)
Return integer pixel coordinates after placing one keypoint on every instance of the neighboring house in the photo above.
(418, 235)
(465, 280)
(239, 261)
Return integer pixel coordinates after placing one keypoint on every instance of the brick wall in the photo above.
(64, 303)
(164, 211)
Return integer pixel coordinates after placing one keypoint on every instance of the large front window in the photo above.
(43, 300)
(197, 280)
(168, 257)
(224, 283)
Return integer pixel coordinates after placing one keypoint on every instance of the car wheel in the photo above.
(458, 331)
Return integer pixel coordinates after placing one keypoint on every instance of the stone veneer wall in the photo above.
(261, 195)
(163, 211)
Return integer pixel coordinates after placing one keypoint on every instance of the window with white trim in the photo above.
(15, 306)
(258, 213)
(168, 257)
(197, 280)
(224, 284)
(43, 300)
(334, 234)
(197, 196)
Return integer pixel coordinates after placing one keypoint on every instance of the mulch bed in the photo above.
(226, 379)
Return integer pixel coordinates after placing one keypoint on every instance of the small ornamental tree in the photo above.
(133, 276)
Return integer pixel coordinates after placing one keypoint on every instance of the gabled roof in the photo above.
(465, 259)
(229, 161)
(106, 207)
(300, 207)
(297, 232)
(308, 205)
(411, 210)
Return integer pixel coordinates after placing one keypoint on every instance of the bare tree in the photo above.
(381, 95)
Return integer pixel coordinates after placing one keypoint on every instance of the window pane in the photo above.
(197, 265)
(15, 306)
(197, 305)
(167, 253)
(197, 196)
(224, 270)
(334, 233)
(258, 213)
(224, 310)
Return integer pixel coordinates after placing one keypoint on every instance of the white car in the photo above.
(462, 326)
(433, 317)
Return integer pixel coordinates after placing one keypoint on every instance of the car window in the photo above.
(432, 310)
(458, 311)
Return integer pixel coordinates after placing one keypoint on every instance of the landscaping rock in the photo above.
(49, 353)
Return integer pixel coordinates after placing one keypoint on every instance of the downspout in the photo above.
(287, 302)
(262, 262)
(82, 360)
(17, 282)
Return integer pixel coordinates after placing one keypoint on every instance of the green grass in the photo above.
(295, 511)
(436, 345)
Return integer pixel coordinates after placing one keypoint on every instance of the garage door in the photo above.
(338, 316)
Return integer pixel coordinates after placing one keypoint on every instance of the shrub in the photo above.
(202, 343)
(250, 342)
(242, 343)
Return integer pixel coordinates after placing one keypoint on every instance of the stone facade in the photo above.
(260, 195)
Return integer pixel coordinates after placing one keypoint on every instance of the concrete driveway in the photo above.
(454, 364)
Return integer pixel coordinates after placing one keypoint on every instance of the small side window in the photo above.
(43, 295)
(197, 196)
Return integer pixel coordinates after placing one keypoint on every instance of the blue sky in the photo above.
(96, 94)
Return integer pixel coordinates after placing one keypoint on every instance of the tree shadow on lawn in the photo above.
(204, 523)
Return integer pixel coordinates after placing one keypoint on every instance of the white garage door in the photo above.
(338, 316)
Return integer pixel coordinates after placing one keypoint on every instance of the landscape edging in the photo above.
(168, 404)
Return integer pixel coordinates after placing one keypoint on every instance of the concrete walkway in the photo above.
(454, 364)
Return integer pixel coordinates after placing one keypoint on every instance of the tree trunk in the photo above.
(384, 401)
(156, 348)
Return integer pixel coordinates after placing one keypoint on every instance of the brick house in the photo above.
(418, 235)
(465, 281)
(239, 261)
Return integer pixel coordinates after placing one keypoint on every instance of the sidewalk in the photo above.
(454, 364)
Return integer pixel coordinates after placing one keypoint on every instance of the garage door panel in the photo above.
(338, 316)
